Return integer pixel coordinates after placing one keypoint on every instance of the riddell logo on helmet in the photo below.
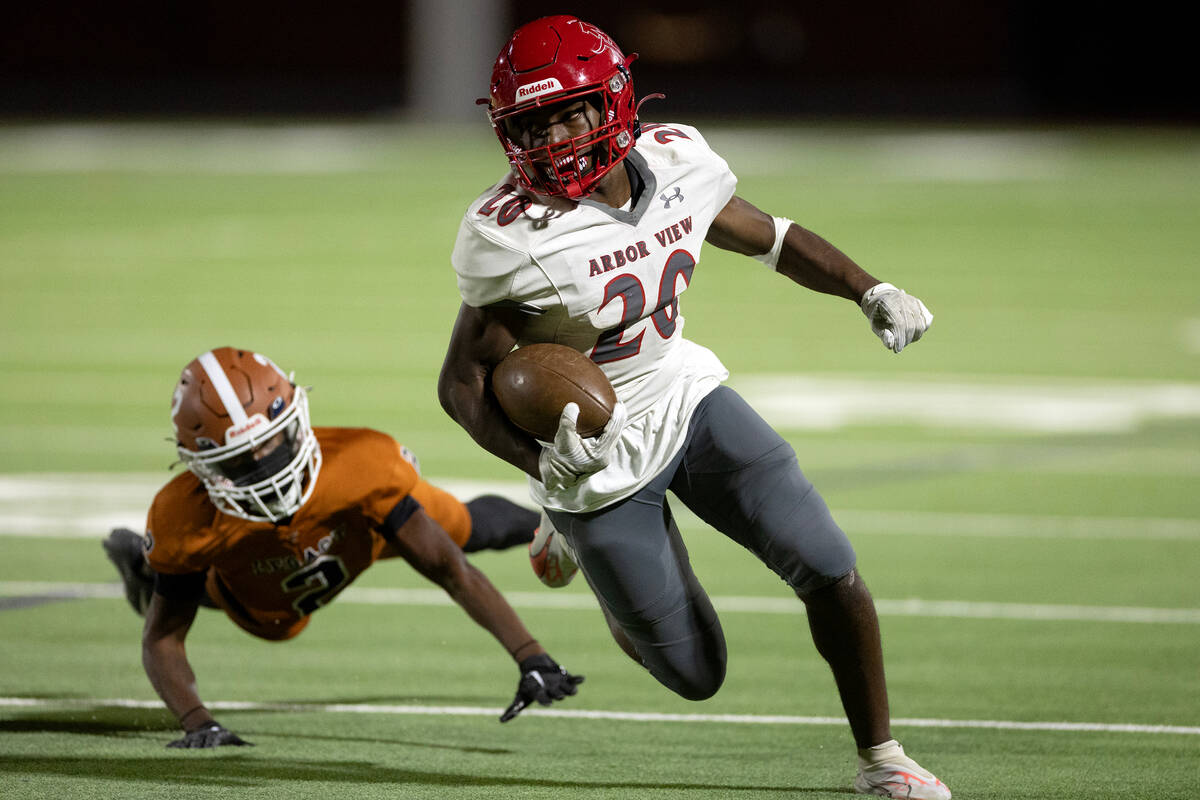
(236, 433)
(532, 90)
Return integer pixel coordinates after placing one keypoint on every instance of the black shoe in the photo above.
(124, 550)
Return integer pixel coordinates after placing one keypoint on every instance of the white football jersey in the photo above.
(607, 282)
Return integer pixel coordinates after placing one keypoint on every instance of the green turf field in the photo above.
(1022, 486)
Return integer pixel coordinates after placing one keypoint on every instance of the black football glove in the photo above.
(541, 680)
(210, 734)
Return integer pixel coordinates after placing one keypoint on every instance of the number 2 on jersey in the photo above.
(610, 345)
(323, 578)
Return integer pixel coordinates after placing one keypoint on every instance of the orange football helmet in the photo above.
(242, 427)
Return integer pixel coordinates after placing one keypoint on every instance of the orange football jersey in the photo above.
(270, 577)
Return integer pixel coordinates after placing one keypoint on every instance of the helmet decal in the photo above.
(531, 90)
(602, 42)
(176, 402)
(266, 362)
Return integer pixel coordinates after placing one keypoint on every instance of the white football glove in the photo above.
(897, 318)
(571, 459)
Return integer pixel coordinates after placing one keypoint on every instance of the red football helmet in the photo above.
(242, 427)
(549, 61)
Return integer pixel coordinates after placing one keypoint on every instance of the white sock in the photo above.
(881, 752)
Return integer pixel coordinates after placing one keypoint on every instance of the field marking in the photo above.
(1191, 335)
(926, 156)
(830, 402)
(88, 505)
(1018, 526)
(228, 149)
(618, 716)
(576, 601)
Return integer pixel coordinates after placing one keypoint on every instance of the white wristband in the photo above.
(771, 257)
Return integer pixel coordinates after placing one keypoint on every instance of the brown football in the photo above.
(534, 382)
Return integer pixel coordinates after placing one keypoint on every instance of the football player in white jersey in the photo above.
(589, 242)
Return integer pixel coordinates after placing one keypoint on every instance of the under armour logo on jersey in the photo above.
(668, 200)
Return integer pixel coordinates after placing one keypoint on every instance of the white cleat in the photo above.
(551, 556)
(884, 771)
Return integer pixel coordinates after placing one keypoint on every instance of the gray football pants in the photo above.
(739, 476)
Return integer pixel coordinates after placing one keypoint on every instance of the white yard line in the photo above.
(220, 149)
(829, 402)
(572, 600)
(618, 716)
(926, 156)
(922, 156)
(88, 505)
(1191, 335)
(1010, 526)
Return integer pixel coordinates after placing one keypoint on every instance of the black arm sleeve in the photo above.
(498, 524)
(398, 516)
(180, 587)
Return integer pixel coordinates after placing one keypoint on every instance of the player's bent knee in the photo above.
(700, 684)
(697, 682)
(694, 668)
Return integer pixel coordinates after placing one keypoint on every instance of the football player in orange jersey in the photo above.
(274, 518)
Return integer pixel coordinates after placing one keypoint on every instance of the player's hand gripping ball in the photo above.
(533, 383)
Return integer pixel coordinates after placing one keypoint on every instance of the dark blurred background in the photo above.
(429, 59)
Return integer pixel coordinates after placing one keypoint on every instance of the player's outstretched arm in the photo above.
(896, 317)
(800, 254)
(431, 551)
(482, 337)
(168, 620)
